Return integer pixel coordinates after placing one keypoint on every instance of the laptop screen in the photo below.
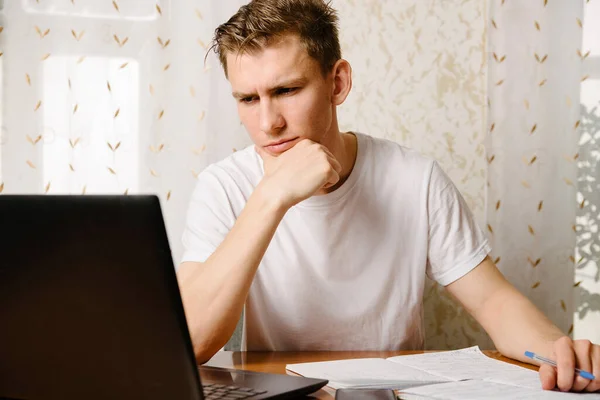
(89, 302)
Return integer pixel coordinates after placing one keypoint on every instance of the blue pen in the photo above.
(583, 374)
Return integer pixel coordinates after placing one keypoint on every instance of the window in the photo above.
(92, 108)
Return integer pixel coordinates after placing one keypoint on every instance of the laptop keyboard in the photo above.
(213, 391)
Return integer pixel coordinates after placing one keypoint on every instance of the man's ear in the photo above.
(342, 81)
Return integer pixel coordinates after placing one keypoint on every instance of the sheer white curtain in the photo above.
(107, 96)
(538, 76)
(113, 97)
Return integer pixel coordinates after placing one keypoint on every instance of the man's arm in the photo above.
(516, 325)
(214, 292)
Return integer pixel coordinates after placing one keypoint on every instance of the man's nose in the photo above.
(271, 120)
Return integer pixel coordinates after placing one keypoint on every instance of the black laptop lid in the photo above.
(89, 302)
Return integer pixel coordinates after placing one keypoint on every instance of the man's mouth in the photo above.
(281, 146)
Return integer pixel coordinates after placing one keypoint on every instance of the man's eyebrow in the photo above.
(280, 85)
(240, 96)
(288, 83)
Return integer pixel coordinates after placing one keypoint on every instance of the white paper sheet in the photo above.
(460, 374)
(365, 373)
(476, 390)
(470, 363)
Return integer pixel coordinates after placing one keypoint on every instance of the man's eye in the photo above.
(248, 100)
(286, 90)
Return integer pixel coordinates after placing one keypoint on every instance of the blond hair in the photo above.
(257, 23)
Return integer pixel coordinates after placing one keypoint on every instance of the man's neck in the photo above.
(344, 150)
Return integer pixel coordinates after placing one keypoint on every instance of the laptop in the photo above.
(90, 307)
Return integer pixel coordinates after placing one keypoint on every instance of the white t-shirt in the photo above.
(345, 270)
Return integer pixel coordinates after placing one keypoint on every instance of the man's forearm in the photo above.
(215, 291)
(516, 325)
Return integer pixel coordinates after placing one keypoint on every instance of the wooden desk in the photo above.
(275, 362)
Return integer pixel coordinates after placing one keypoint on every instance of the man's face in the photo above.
(282, 96)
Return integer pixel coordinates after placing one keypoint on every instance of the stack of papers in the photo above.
(460, 374)
(476, 390)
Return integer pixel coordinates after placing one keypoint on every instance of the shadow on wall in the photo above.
(588, 213)
(235, 342)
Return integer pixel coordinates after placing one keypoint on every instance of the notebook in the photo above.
(417, 370)
(458, 374)
(476, 390)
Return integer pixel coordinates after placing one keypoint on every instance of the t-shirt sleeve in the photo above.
(209, 217)
(456, 243)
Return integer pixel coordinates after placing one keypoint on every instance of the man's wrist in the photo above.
(548, 343)
(269, 199)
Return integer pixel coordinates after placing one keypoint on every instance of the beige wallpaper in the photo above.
(420, 80)
(110, 97)
(115, 97)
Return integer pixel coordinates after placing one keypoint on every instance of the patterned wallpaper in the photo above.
(114, 96)
(420, 79)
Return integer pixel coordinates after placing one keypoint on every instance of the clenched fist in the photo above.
(300, 172)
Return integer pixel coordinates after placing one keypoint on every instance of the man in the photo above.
(325, 237)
